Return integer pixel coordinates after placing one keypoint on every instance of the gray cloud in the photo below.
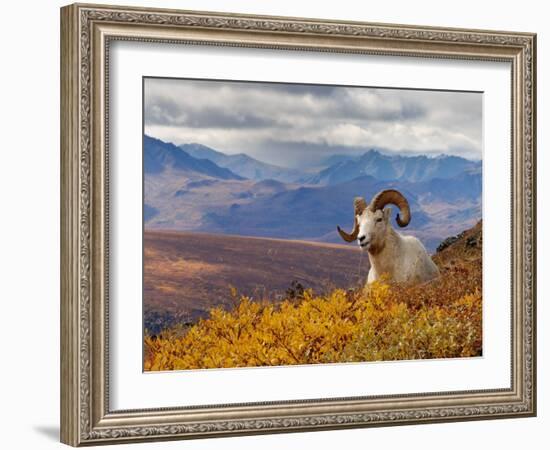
(278, 122)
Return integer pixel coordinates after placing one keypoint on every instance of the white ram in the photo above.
(401, 258)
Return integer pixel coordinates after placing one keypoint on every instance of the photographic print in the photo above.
(289, 224)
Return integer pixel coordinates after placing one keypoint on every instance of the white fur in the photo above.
(401, 258)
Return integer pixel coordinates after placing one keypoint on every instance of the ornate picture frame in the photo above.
(87, 31)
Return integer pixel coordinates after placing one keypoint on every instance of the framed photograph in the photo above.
(277, 224)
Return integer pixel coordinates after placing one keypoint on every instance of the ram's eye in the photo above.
(379, 219)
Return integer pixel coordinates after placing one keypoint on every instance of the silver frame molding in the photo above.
(86, 33)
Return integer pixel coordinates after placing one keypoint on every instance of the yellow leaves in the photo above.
(384, 322)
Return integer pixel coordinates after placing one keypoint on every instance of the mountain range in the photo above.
(244, 165)
(392, 167)
(195, 188)
(159, 156)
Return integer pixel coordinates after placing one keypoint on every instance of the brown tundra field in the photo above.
(187, 273)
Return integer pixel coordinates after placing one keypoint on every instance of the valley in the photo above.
(186, 273)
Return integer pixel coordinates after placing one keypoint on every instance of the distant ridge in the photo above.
(243, 165)
(159, 156)
(392, 167)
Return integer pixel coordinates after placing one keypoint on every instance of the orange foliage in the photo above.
(439, 319)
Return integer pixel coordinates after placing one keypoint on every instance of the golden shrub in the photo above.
(439, 319)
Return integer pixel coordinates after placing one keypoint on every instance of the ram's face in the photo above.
(372, 228)
(371, 221)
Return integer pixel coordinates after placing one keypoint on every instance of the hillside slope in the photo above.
(387, 321)
(464, 249)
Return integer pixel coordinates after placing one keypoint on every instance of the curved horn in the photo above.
(394, 197)
(359, 205)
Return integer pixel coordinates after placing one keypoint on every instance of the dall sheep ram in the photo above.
(401, 258)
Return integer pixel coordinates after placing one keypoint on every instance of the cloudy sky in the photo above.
(299, 125)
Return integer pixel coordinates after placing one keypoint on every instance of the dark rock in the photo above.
(472, 241)
(447, 242)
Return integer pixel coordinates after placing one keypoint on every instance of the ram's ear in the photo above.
(387, 213)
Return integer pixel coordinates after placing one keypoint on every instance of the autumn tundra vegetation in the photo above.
(386, 320)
